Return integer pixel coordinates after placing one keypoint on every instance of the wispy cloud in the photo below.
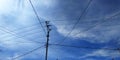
(102, 53)
(66, 11)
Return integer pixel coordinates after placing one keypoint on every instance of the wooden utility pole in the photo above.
(47, 43)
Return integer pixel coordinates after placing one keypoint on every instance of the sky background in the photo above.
(99, 26)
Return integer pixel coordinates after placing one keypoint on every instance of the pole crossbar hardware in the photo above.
(47, 36)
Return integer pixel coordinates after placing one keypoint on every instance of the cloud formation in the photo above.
(96, 26)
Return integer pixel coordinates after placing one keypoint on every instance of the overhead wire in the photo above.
(25, 27)
(25, 30)
(68, 33)
(22, 37)
(85, 47)
(38, 18)
(82, 46)
(74, 26)
(105, 18)
(21, 29)
(14, 34)
(29, 52)
(101, 22)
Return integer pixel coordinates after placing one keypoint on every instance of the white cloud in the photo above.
(98, 31)
(15, 55)
(8, 6)
(102, 53)
(48, 3)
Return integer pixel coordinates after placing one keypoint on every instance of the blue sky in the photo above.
(99, 27)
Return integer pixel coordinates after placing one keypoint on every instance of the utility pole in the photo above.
(47, 43)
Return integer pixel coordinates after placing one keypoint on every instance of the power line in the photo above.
(98, 23)
(86, 47)
(66, 46)
(29, 52)
(105, 18)
(74, 26)
(14, 34)
(37, 16)
(33, 25)
(22, 28)
(28, 32)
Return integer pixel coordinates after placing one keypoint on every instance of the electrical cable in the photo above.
(33, 25)
(86, 47)
(99, 23)
(14, 34)
(74, 26)
(38, 18)
(29, 52)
